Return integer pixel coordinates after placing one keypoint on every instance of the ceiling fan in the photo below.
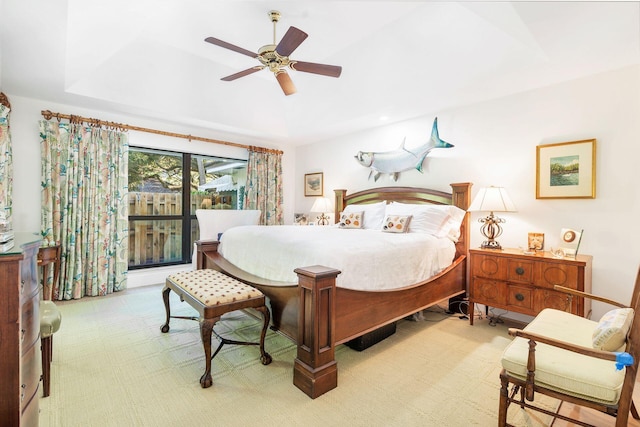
(276, 57)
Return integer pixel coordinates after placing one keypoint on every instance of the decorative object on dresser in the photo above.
(491, 199)
(570, 242)
(322, 205)
(19, 330)
(566, 170)
(535, 241)
(513, 281)
(583, 362)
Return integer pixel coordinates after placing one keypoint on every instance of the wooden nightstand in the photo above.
(513, 281)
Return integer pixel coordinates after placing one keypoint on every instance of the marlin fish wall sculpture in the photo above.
(400, 160)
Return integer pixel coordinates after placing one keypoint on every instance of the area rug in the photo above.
(113, 367)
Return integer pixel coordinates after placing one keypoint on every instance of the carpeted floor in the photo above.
(113, 367)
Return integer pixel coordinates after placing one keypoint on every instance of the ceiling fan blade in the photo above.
(241, 74)
(230, 46)
(322, 69)
(290, 41)
(285, 83)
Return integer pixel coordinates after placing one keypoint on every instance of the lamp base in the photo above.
(490, 244)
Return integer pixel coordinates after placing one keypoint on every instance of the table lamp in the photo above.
(491, 199)
(322, 205)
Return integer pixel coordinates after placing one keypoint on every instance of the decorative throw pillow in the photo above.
(350, 220)
(611, 332)
(372, 213)
(396, 223)
(437, 220)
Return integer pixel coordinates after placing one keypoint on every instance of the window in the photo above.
(163, 201)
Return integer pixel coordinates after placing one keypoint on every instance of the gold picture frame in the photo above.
(566, 170)
(313, 184)
(535, 241)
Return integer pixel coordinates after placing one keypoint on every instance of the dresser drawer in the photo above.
(28, 278)
(492, 292)
(550, 274)
(30, 323)
(545, 298)
(489, 267)
(520, 271)
(521, 299)
(29, 374)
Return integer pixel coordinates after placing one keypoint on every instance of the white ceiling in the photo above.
(400, 59)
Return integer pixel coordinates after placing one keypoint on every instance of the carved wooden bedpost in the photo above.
(339, 204)
(315, 370)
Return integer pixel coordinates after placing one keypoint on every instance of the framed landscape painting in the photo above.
(313, 184)
(566, 170)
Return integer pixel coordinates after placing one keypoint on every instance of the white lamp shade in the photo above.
(492, 199)
(322, 204)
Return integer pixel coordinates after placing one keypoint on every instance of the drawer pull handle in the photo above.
(519, 271)
(520, 297)
(23, 386)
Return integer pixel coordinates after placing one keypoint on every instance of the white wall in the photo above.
(25, 115)
(495, 144)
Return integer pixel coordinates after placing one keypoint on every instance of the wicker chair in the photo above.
(577, 360)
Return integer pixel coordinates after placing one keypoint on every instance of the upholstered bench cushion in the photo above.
(565, 371)
(213, 288)
(50, 319)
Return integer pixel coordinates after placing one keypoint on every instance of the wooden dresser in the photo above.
(19, 332)
(513, 281)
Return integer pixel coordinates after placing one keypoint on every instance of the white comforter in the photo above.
(368, 259)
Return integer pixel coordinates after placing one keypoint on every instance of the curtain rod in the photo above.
(120, 126)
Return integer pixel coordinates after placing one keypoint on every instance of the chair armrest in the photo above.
(588, 295)
(587, 351)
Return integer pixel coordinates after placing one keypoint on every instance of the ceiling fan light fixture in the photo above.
(285, 82)
(276, 57)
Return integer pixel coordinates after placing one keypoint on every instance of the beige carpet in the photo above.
(113, 367)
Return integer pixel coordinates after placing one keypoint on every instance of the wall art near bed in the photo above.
(313, 184)
(566, 170)
(401, 159)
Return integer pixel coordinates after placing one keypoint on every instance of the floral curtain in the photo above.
(264, 185)
(6, 162)
(84, 206)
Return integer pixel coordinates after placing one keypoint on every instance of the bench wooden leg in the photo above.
(165, 297)
(265, 358)
(206, 328)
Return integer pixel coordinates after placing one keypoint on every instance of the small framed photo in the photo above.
(536, 241)
(566, 170)
(300, 219)
(313, 184)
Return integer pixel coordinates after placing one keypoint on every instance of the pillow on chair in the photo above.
(611, 332)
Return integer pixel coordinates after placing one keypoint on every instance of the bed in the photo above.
(318, 315)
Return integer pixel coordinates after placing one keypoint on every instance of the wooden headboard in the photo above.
(460, 196)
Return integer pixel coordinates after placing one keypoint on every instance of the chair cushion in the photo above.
(212, 287)
(50, 319)
(612, 329)
(561, 370)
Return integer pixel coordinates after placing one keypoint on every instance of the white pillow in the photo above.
(430, 219)
(372, 214)
(611, 332)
